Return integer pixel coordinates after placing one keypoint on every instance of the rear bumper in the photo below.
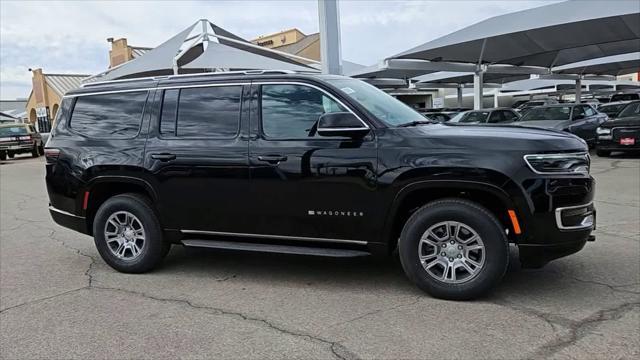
(68, 220)
(17, 147)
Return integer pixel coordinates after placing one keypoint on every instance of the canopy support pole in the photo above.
(578, 90)
(496, 103)
(329, 37)
(459, 91)
(477, 89)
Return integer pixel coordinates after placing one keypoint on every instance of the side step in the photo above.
(270, 248)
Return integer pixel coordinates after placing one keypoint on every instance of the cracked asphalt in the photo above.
(58, 299)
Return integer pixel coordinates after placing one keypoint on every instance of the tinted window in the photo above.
(548, 113)
(475, 116)
(632, 109)
(496, 117)
(578, 113)
(588, 110)
(109, 115)
(292, 111)
(625, 97)
(169, 112)
(510, 116)
(209, 112)
(13, 131)
(611, 110)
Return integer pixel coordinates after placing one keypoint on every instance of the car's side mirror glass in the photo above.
(341, 124)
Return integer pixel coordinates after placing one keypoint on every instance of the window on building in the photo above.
(116, 116)
(292, 111)
(209, 112)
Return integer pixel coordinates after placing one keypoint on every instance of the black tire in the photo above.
(603, 153)
(3, 155)
(11, 155)
(35, 152)
(482, 221)
(154, 247)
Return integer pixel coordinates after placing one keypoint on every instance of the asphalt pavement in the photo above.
(58, 299)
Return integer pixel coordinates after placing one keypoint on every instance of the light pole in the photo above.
(329, 19)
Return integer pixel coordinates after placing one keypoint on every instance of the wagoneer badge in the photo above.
(334, 213)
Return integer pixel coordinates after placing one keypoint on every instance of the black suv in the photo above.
(311, 164)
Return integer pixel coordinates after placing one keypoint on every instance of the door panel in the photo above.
(302, 184)
(197, 154)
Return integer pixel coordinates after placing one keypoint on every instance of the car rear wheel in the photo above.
(454, 249)
(3, 155)
(11, 155)
(36, 151)
(128, 235)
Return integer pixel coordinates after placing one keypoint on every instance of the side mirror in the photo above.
(341, 124)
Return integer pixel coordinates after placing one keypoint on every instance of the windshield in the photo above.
(384, 106)
(13, 130)
(632, 109)
(611, 110)
(548, 113)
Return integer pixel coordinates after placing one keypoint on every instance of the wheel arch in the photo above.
(419, 193)
(101, 188)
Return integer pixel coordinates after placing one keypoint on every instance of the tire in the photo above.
(10, 154)
(603, 153)
(35, 152)
(151, 250)
(459, 283)
(3, 155)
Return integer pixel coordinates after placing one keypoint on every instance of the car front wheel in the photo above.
(454, 249)
(128, 235)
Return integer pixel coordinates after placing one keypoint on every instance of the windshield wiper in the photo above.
(418, 122)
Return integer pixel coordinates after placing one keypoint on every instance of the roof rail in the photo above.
(216, 73)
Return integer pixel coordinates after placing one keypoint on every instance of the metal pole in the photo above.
(459, 95)
(578, 90)
(477, 89)
(496, 103)
(330, 37)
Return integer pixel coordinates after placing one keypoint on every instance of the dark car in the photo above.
(18, 139)
(621, 133)
(612, 109)
(579, 119)
(486, 116)
(437, 116)
(316, 165)
(625, 97)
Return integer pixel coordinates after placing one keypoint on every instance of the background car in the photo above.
(579, 119)
(621, 133)
(486, 116)
(625, 97)
(437, 116)
(612, 109)
(534, 103)
(19, 138)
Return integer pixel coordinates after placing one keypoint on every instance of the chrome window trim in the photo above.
(557, 155)
(276, 82)
(266, 236)
(559, 211)
(51, 208)
(157, 88)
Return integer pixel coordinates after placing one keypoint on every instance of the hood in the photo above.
(491, 137)
(547, 124)
(626, 121)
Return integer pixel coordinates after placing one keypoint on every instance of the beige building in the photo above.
(292, 41)
(47, 89)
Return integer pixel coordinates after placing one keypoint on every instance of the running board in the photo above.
(269, 248)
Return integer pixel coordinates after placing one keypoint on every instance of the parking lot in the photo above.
(60, 300)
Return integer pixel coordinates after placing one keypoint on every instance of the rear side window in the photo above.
(209, 112)
(115, 116)
(475, 116)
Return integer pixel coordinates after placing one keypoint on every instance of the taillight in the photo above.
(26, 137)
(51, 155)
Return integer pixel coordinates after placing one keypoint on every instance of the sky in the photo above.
(70, 36)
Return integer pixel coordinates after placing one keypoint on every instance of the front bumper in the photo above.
(561, 221)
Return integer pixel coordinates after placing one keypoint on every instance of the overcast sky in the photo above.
(70, 36)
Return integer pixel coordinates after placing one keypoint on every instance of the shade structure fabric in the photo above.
(234, 53)
(220, 56)
(547, 36)
(467, 78)
(609, 65)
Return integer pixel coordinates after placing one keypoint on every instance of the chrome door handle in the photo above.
(163, 157)
(272, 159)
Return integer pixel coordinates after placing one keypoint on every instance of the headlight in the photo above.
(570, 163)
(603, 131)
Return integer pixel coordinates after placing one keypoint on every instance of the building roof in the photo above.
(297, 47)
(61, 83)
